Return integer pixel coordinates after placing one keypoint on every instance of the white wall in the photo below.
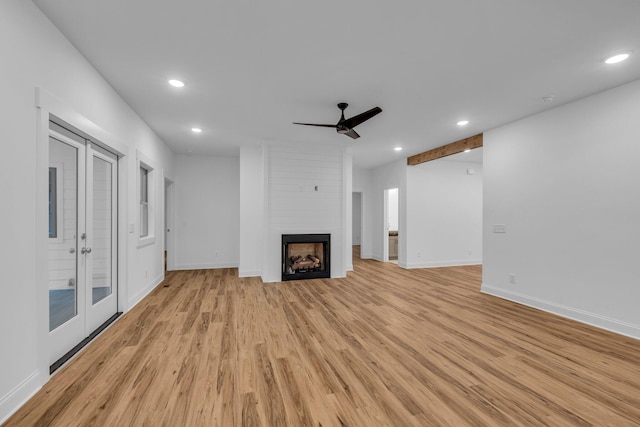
(35, 54)
(356, 222)
(566, 185)
(252, 211)
(295, 207)
(207, 212)
(444, 214)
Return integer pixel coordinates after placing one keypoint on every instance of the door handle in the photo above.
(85, 250)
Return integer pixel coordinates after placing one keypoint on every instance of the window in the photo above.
(146, 199)
(144, 202)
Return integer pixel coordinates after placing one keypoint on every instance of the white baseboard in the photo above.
(19, 395)
(139, 296)
(249, 273)
(448, 263)
(593, 319)
(208, 266)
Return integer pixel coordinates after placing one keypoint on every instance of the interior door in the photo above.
(82, 239)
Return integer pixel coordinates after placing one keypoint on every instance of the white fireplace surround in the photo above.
(292, 190)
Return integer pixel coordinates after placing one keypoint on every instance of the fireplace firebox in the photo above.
(306, 256)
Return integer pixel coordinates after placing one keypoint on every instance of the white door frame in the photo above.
(49, 106)
(385, 226)
(170, 222)
(89, 316)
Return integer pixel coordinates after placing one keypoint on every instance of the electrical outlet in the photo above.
(512, 279)
(499, 228)
(419, 254)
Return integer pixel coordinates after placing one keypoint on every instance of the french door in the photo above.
(82, 239)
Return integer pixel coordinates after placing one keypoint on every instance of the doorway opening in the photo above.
(390, 246)
(356, 224)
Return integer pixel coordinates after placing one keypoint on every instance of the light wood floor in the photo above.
(383, 347)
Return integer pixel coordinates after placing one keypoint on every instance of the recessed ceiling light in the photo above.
(467, 150)
(617, 58)
(398, 148)
(463, 122)
(176, 83)
(548, 98)
(196, 130)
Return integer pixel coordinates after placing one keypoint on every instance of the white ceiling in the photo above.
(252, 68)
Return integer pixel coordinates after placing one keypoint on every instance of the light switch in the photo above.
(132, 228)
(499, 228)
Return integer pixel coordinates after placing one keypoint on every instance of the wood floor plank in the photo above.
(383, 346)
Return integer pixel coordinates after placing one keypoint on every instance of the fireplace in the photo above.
(306, 256)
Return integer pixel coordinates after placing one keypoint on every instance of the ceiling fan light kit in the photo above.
(345, 126)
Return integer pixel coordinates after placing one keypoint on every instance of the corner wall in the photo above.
(207, 212)
(565, 184)
(444, 214)
(252, 210)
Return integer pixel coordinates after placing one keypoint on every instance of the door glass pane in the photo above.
(63, 261)
(102, 280)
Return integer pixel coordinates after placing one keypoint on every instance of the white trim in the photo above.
(206, 266)
(582, 316)
(92, 132)
(19, 395)
(48, 105)
(140, 295)
(249, 273)
(145, 241)
(447, 263)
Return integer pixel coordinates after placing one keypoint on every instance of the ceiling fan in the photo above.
(345, 126)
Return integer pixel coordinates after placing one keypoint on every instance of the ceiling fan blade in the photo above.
(356, 120)
(314, 124)
(352, 134)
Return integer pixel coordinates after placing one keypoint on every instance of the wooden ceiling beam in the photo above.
(470, 143)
